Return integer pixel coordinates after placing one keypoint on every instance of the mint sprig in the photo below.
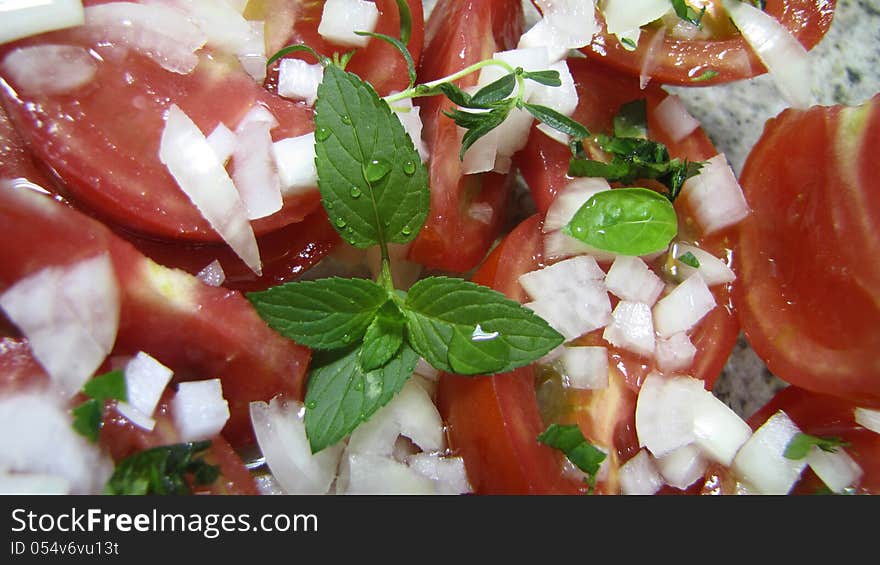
(165, 470)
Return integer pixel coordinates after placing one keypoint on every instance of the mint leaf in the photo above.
(163, 470)
(547, 78)
(383, 338)
(495, 91)
(88, 416)
(557, 121)
(465, 328)
(321, 314)
(372, 182)
(87, 419)
(569, 439)
(625, 221)
(109, 386)
(632, 120)
(800, 444)
(341, 395)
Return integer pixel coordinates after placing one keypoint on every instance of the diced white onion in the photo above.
(254, 171)
(546, 283)
(70, 316)
(639, 475)
(783, 55)
(570, 199)
(513, 134)
(715, 196)
(542, 34)
(199, 409)
(585, 367)
(377, 475)
(295, 159)
(562, 98)
(558, 245)
(712, 269)
(566, 24)
(238, 5)
(427, 371)
(33, 484)
(412, 123)
(258, 114)
(281, 435)
(222, 141)
(761, 461)
(481, 155)
(719, 431)
(145, 380)
(577, 311)
(675, 353)
(212, 274)
(868, 418)
(299, 80)
(837, 470)
(268, 485)
(681, 309)
(161, 33)
(448, 473)
(624, 16)
(201, 176)
(665, 412)
(629, 278)
(49, 69)
(631, 328)
(673, 117)
(224, 26)
(23, 19)
(682, 467)
(253, 54)
(37, 436)
(341, 18)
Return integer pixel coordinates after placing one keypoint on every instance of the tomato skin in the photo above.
(460, 33)
(682, 61)
(198, 331)
(807, 293)
(18, 368)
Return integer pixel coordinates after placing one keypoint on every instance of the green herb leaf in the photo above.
(706, 75)
(495, 91)
(465, 328)
(456, 95)
(625, 221)
(109, 386)
(321, 314)
(405, 21)
(483, 124)
(401, 48)
(547, 78)
(627, 43)
(687, 13)
(88, 416)
(163, 470)
(690, 259)
(557, 121)
(296, 48)
(613, 171)
(373, 183)
(569, 439)
(341, 394)
(632, 120)
(87, 419)
(760, 4)
(383, 338)
(800, 444)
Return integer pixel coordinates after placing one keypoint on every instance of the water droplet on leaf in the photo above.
(340, 222)
(376, 170)
(355, 192)
(322, 133)
(409, 167)
(346, 119)
(311, 404)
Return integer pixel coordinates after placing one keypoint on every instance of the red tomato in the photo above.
(379, 63)
(18, 368)
(684, 61)
(200, 332)
(544, 166)
(807, 294)
(460, 33)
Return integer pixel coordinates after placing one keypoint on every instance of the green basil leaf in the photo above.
(495, 91)
(341, 394)
(569, 440)
(383, 338)
(162, 471)
(373, 184)
(401, 48)
(800, 444)
(87, 419)
(632, 120)
(465, 328)
(296, 48)
(547, 78)
(625, 221)
(321, 314)
(405, 15)
(557, 121)
(109, 386)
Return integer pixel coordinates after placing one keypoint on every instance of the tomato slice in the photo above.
(686, 61)
(460, 33)
(18, 368)
(807, 294)
(544, 166)
(198, 331)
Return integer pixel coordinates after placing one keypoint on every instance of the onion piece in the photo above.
(49, 69)
(631, 279)
(783, 55)
(481, 155)
(201, 176)
(341, 18)
(576, 311)
(70, 316)
(448, 473)
(715, 196)
(161, 33)
(253, 54)
(222, 141)
(624, 16)
(837, 470)
(145, 380)
(23, 19)
(719, 431)
(570, 274)
(566, 24)
(684, 307)
(299, 80)
(295, 160)
(281, 435)
(37, 436)
(33, 484)
(674, 118)
(665, 412)
(631, 328)
(651, 57)
(868, 418)
(712, 269)
(212, 274)
(374, 474)
(674, 353)
(199, 409)
(254, 171)
(682, 467)
(542, 34)
(570, 199)
(412, 123)
(584, 367)
(224, 26)
(639, 475)
(761, 462)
